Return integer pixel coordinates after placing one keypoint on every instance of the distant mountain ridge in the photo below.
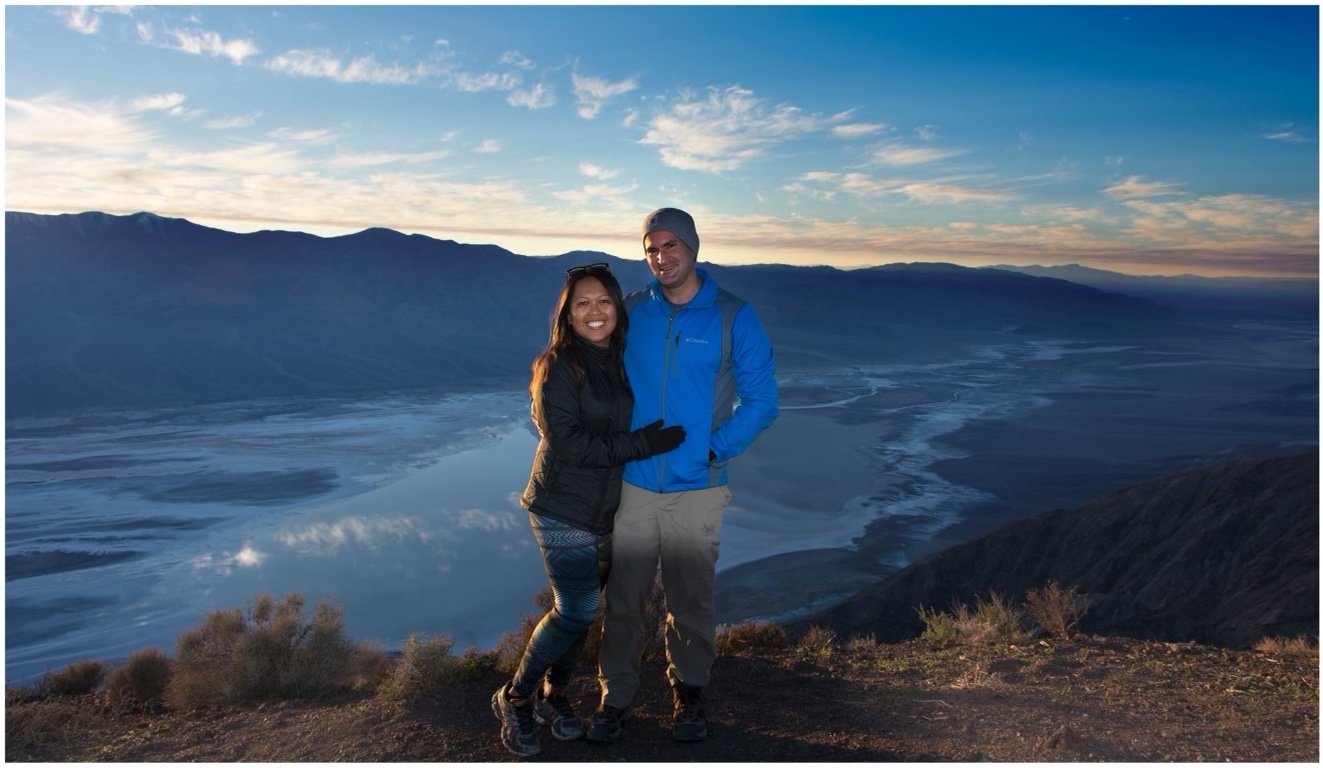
(142, 310)
(1288, 296)
(1222, 555)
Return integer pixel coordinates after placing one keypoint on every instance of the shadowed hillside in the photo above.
(1223, 555)
(141, 311)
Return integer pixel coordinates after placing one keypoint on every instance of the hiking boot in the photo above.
(690, 723)
(518, 730)
(605, 725)
(554, 709)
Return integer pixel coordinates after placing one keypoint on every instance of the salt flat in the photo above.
(123, 529)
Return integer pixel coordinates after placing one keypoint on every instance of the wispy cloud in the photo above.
(599, 194)
(902, 154)
(857, 130)
(1138, 186)
(1286, 132)
(928, 192)
(160, 101)
(1224, 220)
(517, 59)
(308, 136)
(234, 121)
(597, 172)
(540, 96)
(489, 146)
(363, 69)
(57, 123)
(475, 82)
(592, 93)
(366, 159)
(726, 130)
(86, 19)
(826, 185)
(198, 42)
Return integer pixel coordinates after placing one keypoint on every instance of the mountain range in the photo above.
(1281, 296)
(144, 311)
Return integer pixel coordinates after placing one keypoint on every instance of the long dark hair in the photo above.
(563, 346)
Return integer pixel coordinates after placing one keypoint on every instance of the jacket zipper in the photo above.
(666, 369)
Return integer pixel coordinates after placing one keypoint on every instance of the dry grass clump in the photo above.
(428, 666)
(34, 723)
(1301, 646)
(990, 622)
(270, 652)
(749, 635)
(1055, 609)
(862, 644)
(817, 642)
(53, 707)
(139, 684)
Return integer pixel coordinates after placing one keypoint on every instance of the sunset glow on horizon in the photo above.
(1146, 140)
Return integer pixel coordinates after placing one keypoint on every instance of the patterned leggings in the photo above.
(577, 565)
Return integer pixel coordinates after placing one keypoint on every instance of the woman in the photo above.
(582, 405)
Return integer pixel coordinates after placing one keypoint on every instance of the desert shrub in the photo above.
(817, 641)
(1287, 646)
(140, 682)
(992, 621)
(78, 679)
(428, 665)
(271, 652)
(370, 666)
(322, 654)
(1055, 609)
(750, 634)
(938, 627)
(989, 622)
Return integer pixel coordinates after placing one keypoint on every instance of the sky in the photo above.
(1147, 140)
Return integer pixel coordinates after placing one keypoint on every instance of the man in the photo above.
(691, 349)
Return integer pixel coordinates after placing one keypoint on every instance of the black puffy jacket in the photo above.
(585, 442)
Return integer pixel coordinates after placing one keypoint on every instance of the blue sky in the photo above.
(1150, 140)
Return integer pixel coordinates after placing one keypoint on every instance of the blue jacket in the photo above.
(674, 359)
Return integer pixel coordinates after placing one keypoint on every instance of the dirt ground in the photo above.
(1091, 699)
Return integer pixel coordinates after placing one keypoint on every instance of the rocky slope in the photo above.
(1223, 555)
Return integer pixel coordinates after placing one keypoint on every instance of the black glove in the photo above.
(662, 439)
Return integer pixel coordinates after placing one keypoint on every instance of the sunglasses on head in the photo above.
(587, 269)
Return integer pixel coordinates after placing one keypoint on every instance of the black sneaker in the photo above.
(605, 725)
(690, 722)
(555, 710)
(518, 730)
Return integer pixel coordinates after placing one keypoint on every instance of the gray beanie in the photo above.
(675, 221)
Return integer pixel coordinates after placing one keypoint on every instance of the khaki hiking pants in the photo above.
(681, 531)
